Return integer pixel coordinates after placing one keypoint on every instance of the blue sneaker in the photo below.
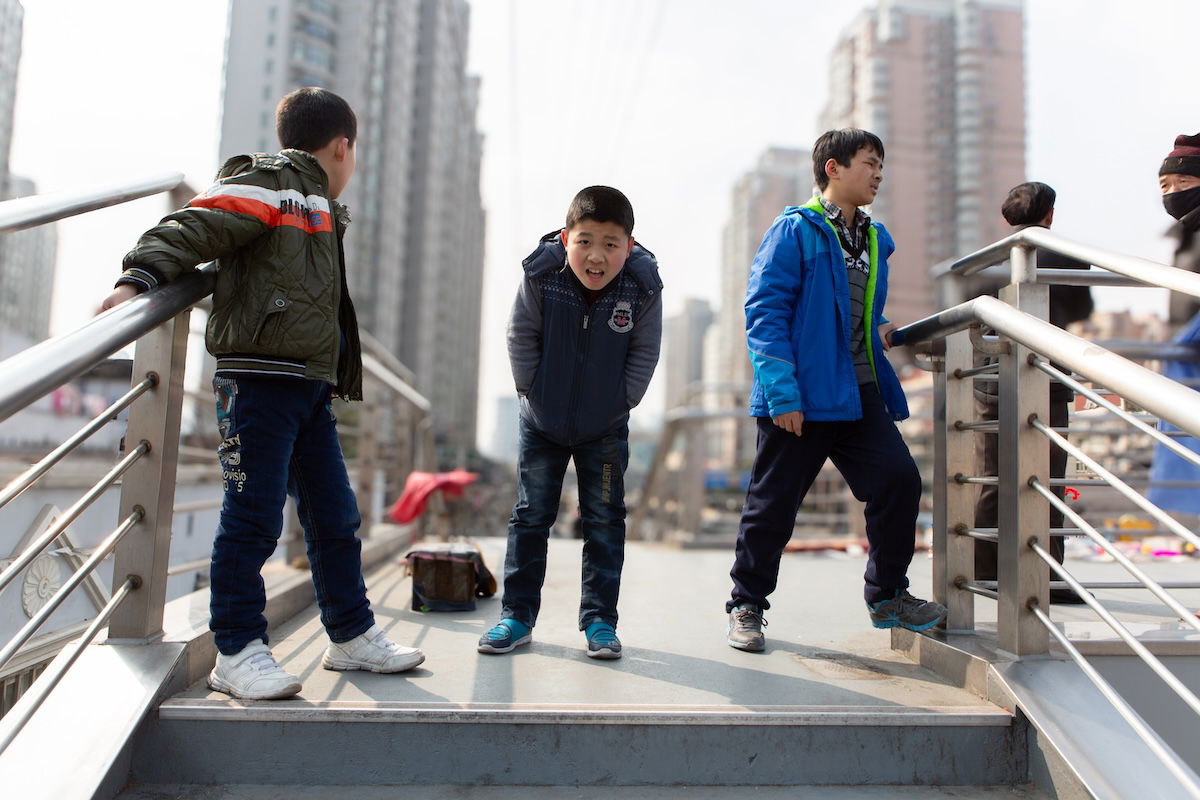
(505, 636)
(602, 641)
(906, 611)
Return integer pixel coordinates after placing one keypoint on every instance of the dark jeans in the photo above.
(600, 466)
(877, 466)
(279, 437)
(986, 507)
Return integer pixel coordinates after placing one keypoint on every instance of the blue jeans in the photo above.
(874, 460)
(600, 466)
(279, 437)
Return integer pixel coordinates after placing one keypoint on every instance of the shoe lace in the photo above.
(380, 639)
(905, 602)
(748, 619)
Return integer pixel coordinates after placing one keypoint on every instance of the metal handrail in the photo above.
(1182, 772)
(71, 514)
(30, 476)
(89, 566)
(32, 700)
(40, 369)
(1147, 272)
(1161, 396)
(29, 212)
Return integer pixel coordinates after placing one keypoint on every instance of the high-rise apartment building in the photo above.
(942, 82)
(27, 258)
(27, 267)
(782, 177)
(11, 16)
(682, 365)
(415, 247)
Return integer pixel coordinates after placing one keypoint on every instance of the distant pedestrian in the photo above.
(823, 390)
(284, 334)
(583, 341)
(1179, 180)
(1030, 205)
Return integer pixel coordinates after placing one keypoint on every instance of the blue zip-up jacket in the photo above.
(579, 370)
(798, 321)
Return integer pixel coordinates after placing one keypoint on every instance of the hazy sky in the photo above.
(669, 100)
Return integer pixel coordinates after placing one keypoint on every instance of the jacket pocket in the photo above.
(270, 316)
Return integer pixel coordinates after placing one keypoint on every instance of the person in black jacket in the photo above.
(583, 341)
(1026, 205)
(1179, 180)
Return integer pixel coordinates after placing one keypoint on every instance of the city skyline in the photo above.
(690, 116)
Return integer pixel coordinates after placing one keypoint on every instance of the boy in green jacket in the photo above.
(285, 337)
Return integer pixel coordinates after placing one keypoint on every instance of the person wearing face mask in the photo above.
(1179, 179)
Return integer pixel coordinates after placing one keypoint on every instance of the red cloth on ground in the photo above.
(420, 485)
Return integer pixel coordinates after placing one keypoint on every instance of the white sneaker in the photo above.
(253, 674)
(372, 651)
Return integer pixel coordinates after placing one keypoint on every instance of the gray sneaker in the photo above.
(906, 611)
(745, 628)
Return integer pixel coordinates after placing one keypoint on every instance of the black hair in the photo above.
(841, 146)
(1028, 203)
(310, 118)
(601, 204)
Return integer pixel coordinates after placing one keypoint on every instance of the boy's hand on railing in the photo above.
(120, 295)
(792, 421)
(885, 334)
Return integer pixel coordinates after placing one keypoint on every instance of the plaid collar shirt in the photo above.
(854, 236)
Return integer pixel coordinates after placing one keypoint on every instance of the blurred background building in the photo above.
(782, 177)
(27, 258)
(415, 247)
(942, 82)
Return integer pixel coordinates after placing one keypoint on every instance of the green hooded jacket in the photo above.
(281, 304)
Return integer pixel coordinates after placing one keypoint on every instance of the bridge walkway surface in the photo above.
(829, 705)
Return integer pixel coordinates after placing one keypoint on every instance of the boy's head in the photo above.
(1029, 204)
(851, 160)
(1179, 176)
(321, 123)
(598, 235)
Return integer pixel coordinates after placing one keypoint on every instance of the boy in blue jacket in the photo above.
(583, 341)
(823, 390)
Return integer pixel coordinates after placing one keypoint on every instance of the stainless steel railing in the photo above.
(139, 546)
(1023, 345)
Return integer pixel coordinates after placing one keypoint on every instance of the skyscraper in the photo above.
(942, 82)
(415, 248)
(782, 177)
(683, 359)
(27, 258)
(11, 16)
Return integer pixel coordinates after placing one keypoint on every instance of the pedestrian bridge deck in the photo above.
(823, 657)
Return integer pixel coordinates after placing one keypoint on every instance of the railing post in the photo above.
(1023, 453)
(150, 483)
(954, 502)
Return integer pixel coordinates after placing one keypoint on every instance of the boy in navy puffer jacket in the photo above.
(583, 341)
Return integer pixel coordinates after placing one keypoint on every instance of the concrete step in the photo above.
(385, 743)
(453, 792)
(829, 702)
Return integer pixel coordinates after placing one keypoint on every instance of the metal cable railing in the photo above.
(1168, 757)
(30, 476)
(33, 699)
(99, 554)
(35, 548)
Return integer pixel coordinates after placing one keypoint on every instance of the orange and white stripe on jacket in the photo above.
(275, 207)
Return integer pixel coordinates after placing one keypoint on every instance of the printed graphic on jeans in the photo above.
(229, 451)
